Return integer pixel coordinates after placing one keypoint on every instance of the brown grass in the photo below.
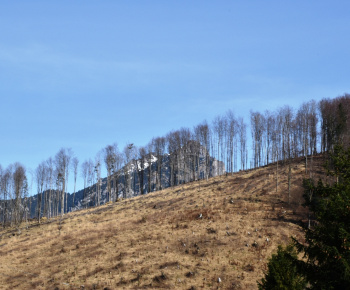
(185, 237)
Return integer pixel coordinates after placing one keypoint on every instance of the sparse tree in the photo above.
(20, 187)
(242, 135)
(307, 127)
(117, 171)
(202, 133)
(286, 117)
(258, 128)
(41, 177)
(109, 159)
(172, 150)
(84, 174)
(49, 172)
(6, 185)
(185, 154)
(159, 148)
(149, 159)
(140, 167)
(97, 170)
(128, 155)
(276, 143)
(62, 160)
(231, 130)
(91, 181)
(75, 163)
(69, 157)
(335, 122)
(270, 120)
(218, 129)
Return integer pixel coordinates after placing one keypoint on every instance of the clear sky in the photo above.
(85, 74)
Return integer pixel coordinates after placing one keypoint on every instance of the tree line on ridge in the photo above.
(180, 156)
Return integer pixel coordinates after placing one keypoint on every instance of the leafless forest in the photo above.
(184, 155)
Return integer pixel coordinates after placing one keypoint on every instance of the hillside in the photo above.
(187, 237)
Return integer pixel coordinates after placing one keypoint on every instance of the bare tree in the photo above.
(41, 177)
(6, 184)
(20, 186)
(113, 162)
(286, 116)
(335, 122)
(129, 156)
(30, 192)
(185, 154)
(84, 174)
(172, 150)
(109, 159)
(117, 171)
(140, 167)
(276, 143)
(193, 155)
(49, 187)
(62, 159)
(97, 170)
(149, 158)
(69, 157)
(231, 128)
(270, 119)
(58, 192)
(202, 132)
(242, 135)
(307, 127)
(75, 163)
(159, 148)
(218, 138)
(258, 130)
(91, 181)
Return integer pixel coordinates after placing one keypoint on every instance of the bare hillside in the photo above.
(201, 235)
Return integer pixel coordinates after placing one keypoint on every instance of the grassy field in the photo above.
(215, 234)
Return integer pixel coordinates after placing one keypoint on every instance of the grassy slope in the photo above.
(159, 241)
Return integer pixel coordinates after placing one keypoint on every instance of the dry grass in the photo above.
(185, 237)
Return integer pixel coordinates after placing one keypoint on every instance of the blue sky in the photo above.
(85, 74)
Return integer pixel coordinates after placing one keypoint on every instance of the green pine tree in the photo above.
(326, 250)
(327, 244)
(282, 272)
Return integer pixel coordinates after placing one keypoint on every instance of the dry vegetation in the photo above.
(212, 235)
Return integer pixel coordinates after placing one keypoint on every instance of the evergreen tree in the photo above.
(282, 272)
(327, 244)
(326, 249)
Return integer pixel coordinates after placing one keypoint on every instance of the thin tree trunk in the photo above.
(277, 175)
(62, 197)
(289, 179)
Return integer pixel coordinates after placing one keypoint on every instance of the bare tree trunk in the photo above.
(277, 175)
(306, 163)
(75, 171)
(289, 179)
(62, 195)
